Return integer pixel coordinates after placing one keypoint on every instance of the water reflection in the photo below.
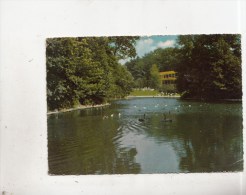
(202, 137)
(210, 144)
(82, 143)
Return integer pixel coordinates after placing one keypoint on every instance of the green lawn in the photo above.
(144, 93)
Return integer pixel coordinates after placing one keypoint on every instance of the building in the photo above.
(168, 77)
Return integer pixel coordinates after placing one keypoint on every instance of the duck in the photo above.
(142, 119)
(165, 119)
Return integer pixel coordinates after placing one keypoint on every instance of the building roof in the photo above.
(167, 72)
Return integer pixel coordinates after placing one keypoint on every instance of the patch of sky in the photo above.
(147, 44)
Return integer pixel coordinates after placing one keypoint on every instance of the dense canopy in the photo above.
(210, 66)
(86, 70)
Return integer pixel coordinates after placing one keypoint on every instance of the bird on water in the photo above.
(142, 119)
(165, 119)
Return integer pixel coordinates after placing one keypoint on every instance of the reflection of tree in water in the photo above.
(93, 149)
(206, 139)
(211, 144)
(204, 142)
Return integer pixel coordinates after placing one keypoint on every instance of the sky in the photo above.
(146, 44)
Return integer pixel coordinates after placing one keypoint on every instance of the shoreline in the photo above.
(185, 99)
(77, 108)
(217, 100)
(153, 96)
(81, 107)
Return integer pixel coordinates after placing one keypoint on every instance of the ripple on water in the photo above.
(200, 138)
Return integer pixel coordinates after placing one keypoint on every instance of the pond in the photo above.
(147, 135)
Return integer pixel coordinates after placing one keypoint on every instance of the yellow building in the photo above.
(168, 77)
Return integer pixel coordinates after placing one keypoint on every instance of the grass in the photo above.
(144, 93)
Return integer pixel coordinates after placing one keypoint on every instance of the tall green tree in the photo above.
(82, 70)
(123, 46)
(210, 66)
(123, 82)
(155, 81)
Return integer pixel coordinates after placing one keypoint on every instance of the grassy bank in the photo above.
(77, 108)
(151, 93)
(144, 93)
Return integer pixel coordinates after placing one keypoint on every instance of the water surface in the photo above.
(202, 137)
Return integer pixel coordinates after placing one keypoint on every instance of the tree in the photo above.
(166, 59)
(123, 81)
(155, 81)
(209, 66)
(140, 68)
(62, 63)
(82, 70)
(123, 47)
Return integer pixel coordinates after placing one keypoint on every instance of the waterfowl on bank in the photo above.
(142, 119)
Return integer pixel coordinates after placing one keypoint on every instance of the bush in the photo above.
(171, 88)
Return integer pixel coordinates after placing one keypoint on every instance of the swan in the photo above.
(166, 119)
(142, 119)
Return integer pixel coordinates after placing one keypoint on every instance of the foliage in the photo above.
(86, 70)
(155, 81)
(210, 66)
(140, 68)
(123, 80)
(144, 93)
(171, 88)
(123, 47)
